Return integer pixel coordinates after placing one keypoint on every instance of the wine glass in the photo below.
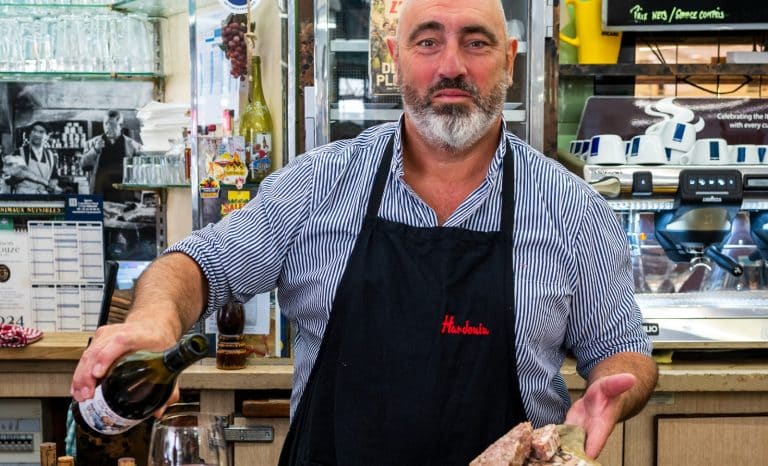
(188, 438)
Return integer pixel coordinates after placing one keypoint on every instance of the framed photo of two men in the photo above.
(71, 137)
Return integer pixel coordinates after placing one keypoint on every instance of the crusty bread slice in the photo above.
(511, 449)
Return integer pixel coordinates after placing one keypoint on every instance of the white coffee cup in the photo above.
(606, 149)
(762, 153)
(578, 147)
(677, 157)
(574, 147)
(710, 151)
(744, 154)
(646, 149)
(677, 135)
(585, 143)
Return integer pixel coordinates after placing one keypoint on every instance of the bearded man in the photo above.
(438, 270)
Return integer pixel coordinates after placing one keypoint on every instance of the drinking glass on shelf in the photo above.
(100, 25)
(10, 45)
(188, 438)
(27, 33)
(66, 43)
(138, 33)
(138, 171)
(128, 170)
(46, 57)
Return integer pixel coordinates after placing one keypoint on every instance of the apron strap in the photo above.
(508, 188)
(382, 173)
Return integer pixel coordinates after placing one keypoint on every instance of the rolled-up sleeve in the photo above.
(605, 318)
(242, 254)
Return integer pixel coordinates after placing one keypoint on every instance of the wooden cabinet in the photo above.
(694, 428)
(711, 440)
(261, 453)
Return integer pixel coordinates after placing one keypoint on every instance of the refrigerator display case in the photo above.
(217, 101)
(354, 84)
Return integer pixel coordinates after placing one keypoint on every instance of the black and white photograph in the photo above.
(73, 138)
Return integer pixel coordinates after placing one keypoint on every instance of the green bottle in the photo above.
(136, 385)
(256, 128)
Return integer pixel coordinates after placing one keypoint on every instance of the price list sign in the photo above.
(668, 15)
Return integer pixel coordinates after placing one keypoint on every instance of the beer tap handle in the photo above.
(713, 252)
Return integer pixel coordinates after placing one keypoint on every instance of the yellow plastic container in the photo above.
(592, 43)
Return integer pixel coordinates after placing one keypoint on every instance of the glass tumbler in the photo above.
(188, 438)
(128, 170)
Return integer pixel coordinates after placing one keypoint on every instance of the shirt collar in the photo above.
(493, 170)
(37, 155)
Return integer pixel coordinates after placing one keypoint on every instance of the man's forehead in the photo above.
(435, 14)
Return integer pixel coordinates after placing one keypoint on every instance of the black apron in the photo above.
(109, 171)
(417, 364)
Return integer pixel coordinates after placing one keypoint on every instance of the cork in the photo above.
(48, 454)
(66, 461)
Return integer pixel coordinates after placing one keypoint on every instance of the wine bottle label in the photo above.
(98, 415)
(261, 155)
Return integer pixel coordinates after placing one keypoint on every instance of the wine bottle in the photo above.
(256, 128)
(136, 385)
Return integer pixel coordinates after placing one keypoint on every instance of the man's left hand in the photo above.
(598, 411)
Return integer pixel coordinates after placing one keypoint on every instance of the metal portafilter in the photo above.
(726, 262)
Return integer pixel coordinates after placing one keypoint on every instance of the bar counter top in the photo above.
(44, 368)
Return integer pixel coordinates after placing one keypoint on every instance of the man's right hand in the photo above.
(108, 344)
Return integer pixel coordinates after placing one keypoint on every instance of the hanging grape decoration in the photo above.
(233, 42)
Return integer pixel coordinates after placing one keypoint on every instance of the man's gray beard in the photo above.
(454, 127)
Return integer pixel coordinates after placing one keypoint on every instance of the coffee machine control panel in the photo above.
(710, 186)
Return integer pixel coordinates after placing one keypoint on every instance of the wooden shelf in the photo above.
(681, 69)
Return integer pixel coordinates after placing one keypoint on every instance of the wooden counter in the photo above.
(44, 368)
(730, 395)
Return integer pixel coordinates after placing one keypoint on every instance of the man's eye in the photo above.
(476, 44)
(427, 43)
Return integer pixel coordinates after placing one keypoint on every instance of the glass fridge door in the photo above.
(354, 80)
(218, 99)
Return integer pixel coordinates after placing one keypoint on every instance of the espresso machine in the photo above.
(698, 238)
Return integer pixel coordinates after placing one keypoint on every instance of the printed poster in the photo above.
(383, 24)
(15, 300)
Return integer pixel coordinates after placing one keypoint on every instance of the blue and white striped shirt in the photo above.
(573, 278)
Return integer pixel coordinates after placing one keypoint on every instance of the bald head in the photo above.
(494, 7)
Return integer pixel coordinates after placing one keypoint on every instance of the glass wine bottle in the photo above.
(136, 385)
(256, 128)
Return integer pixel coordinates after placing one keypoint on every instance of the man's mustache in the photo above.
(454, 83)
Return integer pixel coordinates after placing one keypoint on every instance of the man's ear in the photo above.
(393, 52)
(511, 54)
